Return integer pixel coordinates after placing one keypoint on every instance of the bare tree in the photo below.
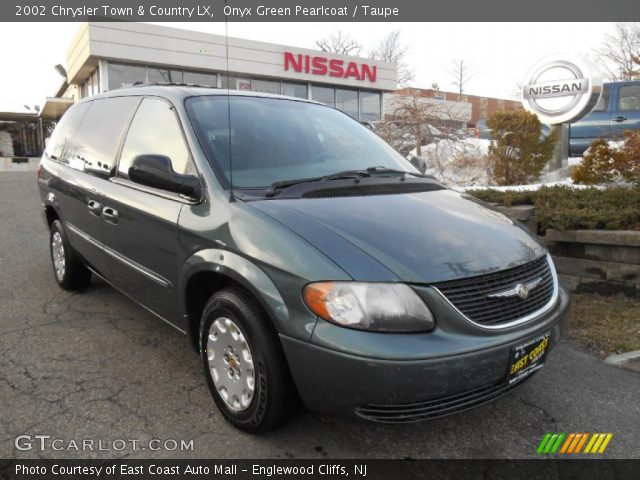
(340, 43)
(391, 50)
(414, 120)
(619, 54)
(517, 90)
(462, 73)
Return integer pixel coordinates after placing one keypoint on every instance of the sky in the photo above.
(499, 54)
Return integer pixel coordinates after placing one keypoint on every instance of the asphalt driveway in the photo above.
(94, 365)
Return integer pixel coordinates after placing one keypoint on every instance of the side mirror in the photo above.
(156, 171)
(419, 163)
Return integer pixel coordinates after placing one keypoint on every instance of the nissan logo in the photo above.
(561, 90)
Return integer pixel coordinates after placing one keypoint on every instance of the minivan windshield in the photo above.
(256, 141)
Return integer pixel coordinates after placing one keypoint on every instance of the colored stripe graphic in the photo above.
(556, 446)
(581, 443)
(543, 443)
(568, 442)
(605, 443)
(591, 442)
(573, 443)
(598, 442)
(576, 439)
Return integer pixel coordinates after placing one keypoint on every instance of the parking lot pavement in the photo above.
(94, 365)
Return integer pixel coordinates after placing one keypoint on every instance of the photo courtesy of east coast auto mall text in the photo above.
(319, 239)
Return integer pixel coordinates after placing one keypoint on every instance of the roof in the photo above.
(178, 92)
(17, 116)
(54, 108)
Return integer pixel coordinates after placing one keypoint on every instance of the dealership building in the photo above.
(107, 56)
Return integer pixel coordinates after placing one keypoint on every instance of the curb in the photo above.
(624, 359)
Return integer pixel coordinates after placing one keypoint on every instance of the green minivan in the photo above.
(304, 259)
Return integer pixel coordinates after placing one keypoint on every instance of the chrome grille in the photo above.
(472, 295)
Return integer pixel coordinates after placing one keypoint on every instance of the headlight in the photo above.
(389, 307)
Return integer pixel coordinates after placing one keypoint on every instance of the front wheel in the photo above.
(243, 362)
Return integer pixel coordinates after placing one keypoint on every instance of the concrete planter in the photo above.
(598, 261)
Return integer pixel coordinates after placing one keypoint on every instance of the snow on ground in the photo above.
(462, 164)
(520, 188)
(457, 162)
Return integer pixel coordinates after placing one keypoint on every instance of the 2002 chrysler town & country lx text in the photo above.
(303, 257)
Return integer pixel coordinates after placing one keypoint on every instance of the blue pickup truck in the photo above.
(618, 110)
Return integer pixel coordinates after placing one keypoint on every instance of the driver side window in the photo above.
(155, 130)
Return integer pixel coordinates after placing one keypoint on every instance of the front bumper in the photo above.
(395, 386)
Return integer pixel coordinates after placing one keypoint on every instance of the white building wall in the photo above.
(152, 44)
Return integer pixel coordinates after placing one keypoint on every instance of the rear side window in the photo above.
(101, 133)
(603, 102)
(155, 130)
(62, 144)
(629, 98)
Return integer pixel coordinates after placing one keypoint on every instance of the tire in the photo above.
(68, 269)
(243, 321)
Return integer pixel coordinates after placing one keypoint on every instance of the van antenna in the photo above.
(226, 46)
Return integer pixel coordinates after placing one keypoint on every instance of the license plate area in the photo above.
(527, 357)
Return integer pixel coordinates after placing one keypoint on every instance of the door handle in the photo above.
(619, 119)
(94, 207)
(110, 215)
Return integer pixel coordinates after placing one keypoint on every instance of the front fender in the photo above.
(254, 279)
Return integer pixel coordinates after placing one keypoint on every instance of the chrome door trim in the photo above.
(85, 236)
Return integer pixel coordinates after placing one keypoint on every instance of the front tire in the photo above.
(68, 269)
(245, 368)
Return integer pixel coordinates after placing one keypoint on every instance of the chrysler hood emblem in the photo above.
(521, 290)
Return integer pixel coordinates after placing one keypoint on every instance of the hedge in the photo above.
(567, 208)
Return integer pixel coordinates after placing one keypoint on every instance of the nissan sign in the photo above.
(333, 67)
(561, 90)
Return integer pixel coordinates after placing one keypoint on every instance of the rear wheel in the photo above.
(70, 272)
(243, 362)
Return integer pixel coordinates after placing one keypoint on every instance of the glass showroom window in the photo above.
(235, 83)
(162, 75)
(323, 95)
(265, 86)
(369, 106)
(293, 89)
(347, 101)
(199, 78)
(122, 75)
(91, 86)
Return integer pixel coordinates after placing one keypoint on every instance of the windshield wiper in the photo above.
(279, 185)
(380, 169)
(368, 172)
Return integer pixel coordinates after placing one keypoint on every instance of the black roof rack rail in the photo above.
(169, 84)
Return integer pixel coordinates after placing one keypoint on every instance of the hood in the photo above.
(420, 237)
